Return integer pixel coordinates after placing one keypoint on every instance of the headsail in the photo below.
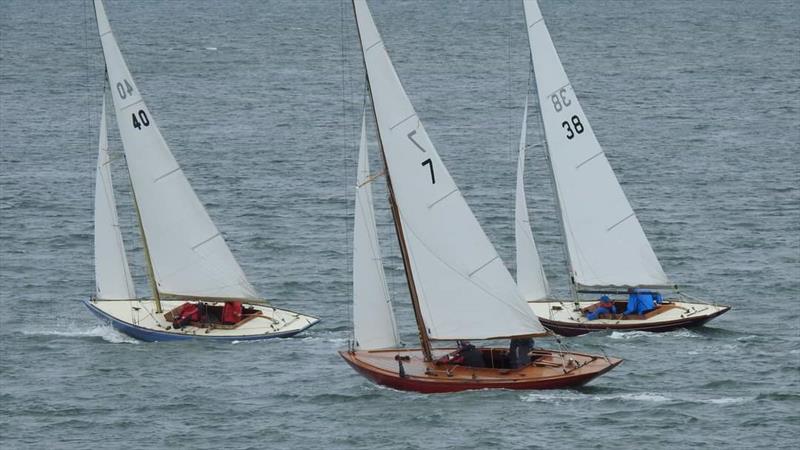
(189, 255)
(373, 318)
(111, 271)
(606, 244)
(464, 289)
(531, 279)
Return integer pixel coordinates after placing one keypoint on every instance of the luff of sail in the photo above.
(189, 255)
(606, 245)
(531, 279)
(112, 273)
(463, 287)
(373, 318)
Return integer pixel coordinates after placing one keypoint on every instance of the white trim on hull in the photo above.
(137, 318)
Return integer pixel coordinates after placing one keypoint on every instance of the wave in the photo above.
(646, 397)
(105, 332)
(681, 333)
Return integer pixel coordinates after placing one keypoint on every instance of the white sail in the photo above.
(463, 287)
(531, 279)
(112, 274)
(188, 253)
(373, 318)
(606, 244)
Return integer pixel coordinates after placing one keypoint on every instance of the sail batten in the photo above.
(445, 243)
(606, 245)
(112, 272)
(531, 278)
(173, 219)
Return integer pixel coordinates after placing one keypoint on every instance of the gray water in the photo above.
(696, 104)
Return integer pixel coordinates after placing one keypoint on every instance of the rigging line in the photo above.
(345, 172)
(510, 100)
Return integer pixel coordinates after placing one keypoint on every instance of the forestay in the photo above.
(111, 271)
(606, 244)
(464, 290)
(531, 279)
(188, 253)
(373, 319)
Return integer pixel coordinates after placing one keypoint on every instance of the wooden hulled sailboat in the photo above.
(459, 287)
(198, 288)
(606, 248)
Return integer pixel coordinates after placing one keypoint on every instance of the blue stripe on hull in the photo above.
(148, 335)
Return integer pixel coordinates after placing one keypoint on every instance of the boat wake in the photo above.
(682, 333)
(105, 332)
(644, 397)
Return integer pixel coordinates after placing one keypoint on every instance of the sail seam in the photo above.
(590, 158)
(206, 241)
(398, 123)
(132, 104)
(623, 220)
(166, 174)
(534, 23)
(442, 198)
(103, 34)
(483, 266)
(373, 45)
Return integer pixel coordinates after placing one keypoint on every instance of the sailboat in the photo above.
(611, 263)
(459, 287)
(199, 291)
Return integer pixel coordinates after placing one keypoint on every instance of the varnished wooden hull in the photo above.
(547, 372)
(673, 320)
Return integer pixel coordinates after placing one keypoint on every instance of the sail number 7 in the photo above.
(429, 163)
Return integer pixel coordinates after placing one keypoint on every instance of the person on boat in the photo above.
(606, 306)
(190, 312)
(519, 352)
(639, 302)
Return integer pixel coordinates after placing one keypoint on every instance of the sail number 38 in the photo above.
(560, 101)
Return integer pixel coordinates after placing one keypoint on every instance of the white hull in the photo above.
(138, 318)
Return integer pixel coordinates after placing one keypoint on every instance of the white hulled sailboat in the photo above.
(198, 288)
(459, 287)
(607, 251)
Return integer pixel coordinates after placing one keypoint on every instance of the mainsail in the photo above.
(463, 287)
(188, 254)
(531, 279)
(111, 271)
(606, 245)
(373, 318)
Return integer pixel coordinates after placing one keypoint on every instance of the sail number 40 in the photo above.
(124, 89)
(142, 120)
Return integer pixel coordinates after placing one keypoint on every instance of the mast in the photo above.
(398, 227)
(151, 277)
(553, 183)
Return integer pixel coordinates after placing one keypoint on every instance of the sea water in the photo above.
(695, 103)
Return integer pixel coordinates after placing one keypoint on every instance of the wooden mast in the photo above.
(570, 272)
(151, 277)
(398, 227)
